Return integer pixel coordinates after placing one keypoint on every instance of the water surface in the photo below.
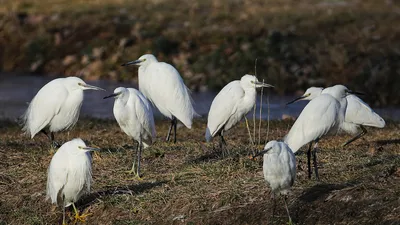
(17, 91)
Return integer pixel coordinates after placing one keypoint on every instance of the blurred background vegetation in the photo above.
(211, 42)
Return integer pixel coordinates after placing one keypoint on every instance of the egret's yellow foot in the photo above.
(136, 176)
(81, 218)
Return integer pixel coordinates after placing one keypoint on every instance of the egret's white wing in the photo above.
(144, 114)
(167, 91)
(224, 106)
(57, 174)
(44, 106)
(359, 112)
(316, 120)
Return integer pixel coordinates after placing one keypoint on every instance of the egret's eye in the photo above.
(80, 147)
(252, 81)
(80, 84)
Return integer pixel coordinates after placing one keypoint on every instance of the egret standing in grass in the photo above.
(69, 175)
(57, 106)
(358, 114)
(279, 168)
(163, 86)
(135, 117)
(323, 115)
(231, 104)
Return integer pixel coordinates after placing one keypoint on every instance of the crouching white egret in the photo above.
(323, 115)
(231, 104)
(279, 168)
(358, 114)
(162, 84)
(135, 117)
(57, 106)
(69, 175)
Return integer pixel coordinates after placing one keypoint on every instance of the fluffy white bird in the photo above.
(231, 104)
(135, 117)
(358, 114)
(69, 175)
(162, 84)
(323, 115)
(279, 168)
(57, 106)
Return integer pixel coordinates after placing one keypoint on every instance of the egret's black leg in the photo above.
(309, 160)
(287, 209)
(63, 210)
(315, 160)
(222, 143)
(54, 143)
(139, 155)
(273, 208)
(169, 131)
(175, 124)
(363, 132)
(51, 138)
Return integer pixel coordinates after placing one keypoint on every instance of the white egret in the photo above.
(231, 104)
(279, 168)
(163, 86)
(323, 115)
(56, 106)
(135, 117)
(358, 114)
(69, 175)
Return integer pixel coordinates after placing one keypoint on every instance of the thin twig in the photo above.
(248, 129)
(255, 105)
(266, 138)
(259, 124)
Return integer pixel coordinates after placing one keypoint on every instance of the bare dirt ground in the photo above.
(190, 183)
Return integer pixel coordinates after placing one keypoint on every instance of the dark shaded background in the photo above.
(297, 43)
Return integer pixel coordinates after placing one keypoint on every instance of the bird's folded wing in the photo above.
(167, 87)
(359, 112)
(224, 106)
(316, 120)
(44, 106)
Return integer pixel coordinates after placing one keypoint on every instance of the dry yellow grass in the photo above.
(190, 183)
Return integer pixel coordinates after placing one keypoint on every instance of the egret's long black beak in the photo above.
(87, 86)
(355, 93)
(113, 95)
(90, 148)
(262, 152)
(261, 84)
(132, 62)
(296, 99)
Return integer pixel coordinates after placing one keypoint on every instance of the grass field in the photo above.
(190, 183)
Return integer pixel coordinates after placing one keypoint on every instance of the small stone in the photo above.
(57, 39)
(125, 42)
(115, 58)
(85, 59)
(98, 53)
(69, 60)
(113, 75)
(287, 117)
(36, 65)
(93, 70)
(371, 151)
